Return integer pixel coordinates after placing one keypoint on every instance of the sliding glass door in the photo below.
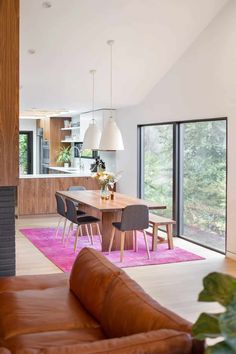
(183, 165)
(157, 166)
(203, 184)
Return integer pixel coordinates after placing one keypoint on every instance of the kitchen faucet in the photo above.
(81, 166)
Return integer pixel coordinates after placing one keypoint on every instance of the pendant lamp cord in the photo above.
(93, 84)
(111, 77)
(93, 96)
(110, 43)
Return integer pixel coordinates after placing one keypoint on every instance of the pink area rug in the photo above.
(64, 256)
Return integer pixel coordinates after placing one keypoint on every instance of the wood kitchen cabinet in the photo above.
(37, 195)
(53, 133)
(56, 135)
(45, 125)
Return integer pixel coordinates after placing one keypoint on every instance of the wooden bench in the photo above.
(155, 221)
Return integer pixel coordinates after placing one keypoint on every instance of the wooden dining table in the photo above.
(107, 211)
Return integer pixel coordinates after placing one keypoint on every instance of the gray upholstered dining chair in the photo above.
(76, 188)
(61, 210)
(134, 218)
(86, 220)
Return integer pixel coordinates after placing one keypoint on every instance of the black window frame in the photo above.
(76, 154)
(177, 170)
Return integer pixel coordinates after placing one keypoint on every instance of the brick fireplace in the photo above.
(7, 231)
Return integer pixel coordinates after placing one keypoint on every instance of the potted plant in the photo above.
(222, 289)
(64, 156)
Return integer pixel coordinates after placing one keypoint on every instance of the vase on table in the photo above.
(104, 192)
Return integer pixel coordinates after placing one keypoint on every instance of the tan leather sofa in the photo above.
(95, 309)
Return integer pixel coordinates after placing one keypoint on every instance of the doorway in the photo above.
(26, 152)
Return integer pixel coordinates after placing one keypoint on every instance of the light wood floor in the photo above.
(175, 286)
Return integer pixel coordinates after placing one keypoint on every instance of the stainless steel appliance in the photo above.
(45, 157)
(43, 153)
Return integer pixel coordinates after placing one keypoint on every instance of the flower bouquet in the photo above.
(106, 180)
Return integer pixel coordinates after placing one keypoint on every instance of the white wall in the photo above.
(30, 125)
(202, 84)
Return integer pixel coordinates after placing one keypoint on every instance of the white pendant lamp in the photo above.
(111, 136)
(93, 134)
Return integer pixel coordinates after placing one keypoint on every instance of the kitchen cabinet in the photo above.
(56, 135)
(53, 133)
(36, 196)
(45, 125)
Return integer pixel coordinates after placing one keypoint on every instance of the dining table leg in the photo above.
(106, 220)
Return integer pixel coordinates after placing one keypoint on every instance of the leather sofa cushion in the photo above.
(54, 338)
(30, 311)
(155, 342)
(27, 282)
(90, 279)
(4, 351)
(128, 310)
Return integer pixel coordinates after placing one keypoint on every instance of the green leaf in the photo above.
(218, 287)
(220, 348)
(206, 326)
(64, 154)
(227, 323)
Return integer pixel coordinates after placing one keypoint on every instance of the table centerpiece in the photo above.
(106, 180)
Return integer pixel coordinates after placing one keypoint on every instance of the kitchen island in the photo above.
(36, 193)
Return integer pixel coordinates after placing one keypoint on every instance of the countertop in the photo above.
(68, 172)
(58, 175)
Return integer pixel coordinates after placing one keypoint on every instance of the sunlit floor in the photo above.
(209, 239)
(175, 286)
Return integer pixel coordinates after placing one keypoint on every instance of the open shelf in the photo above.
(70, 128)
(71, 141)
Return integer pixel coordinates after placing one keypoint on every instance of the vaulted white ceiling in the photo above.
(70, 38)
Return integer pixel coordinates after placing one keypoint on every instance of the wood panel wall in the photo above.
(9, 92)
(37, 195)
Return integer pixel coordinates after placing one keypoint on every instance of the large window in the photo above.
(204, 182)
(157, 165)
(87, 153)
(183, 165)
